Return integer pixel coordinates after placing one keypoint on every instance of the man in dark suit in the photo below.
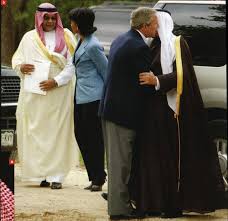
(121, 105)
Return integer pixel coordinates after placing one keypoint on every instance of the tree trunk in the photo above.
(12, 31)
(7, 34)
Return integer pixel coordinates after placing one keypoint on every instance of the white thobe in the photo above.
(47, 146)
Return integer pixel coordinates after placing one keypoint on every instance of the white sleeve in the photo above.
(67, 73)
(157, 87)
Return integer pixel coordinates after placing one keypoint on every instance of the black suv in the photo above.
(10, 87)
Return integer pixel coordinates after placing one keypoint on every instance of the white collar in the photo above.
(142, 35)
(146, 40)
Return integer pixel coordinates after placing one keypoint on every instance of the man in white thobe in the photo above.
(45, 127)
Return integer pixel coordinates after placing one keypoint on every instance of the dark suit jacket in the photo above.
(123, 97)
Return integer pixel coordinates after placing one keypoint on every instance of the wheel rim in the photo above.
(221, 145)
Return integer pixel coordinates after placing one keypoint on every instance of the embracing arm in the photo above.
(167, 81)
(162, 83)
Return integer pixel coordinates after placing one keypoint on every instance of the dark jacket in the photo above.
(123, 97)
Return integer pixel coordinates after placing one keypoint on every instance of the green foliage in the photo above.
(65, 8)
(26, 17)
(23, 12)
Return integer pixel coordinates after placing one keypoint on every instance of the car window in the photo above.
(204, 27)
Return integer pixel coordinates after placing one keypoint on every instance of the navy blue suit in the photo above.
(121, 108)
(123, 97)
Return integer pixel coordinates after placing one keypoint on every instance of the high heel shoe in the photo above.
(96, 188)
(88, 187)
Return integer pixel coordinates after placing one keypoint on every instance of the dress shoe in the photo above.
(96, 188)
(132, 215)
(88, 187)
(173, 214)
(55, 185)
(153, 214)
(105, 196)
(44, 183)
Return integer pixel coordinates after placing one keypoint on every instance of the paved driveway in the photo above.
(73, 203)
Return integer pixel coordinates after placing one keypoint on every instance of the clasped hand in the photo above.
(147, 78)
(27, 68)
(48, 85)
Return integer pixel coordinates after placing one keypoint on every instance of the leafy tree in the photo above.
(18, 17)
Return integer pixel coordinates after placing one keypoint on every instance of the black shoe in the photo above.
(132, 215)
(44, 183)
(55, 185)
(105, 196)
(88, 187)
(153, 214)
(96, 188)
(125, 217)
(174, 214)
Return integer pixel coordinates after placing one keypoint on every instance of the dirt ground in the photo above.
(73, 203)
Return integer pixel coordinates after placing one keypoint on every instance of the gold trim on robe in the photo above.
(179, 92)
(179, 73)
(69, 45)
(51, 56)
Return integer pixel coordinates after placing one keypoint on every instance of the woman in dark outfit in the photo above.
(160, 162)
(91, 63)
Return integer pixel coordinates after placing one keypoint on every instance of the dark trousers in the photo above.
(88, 133)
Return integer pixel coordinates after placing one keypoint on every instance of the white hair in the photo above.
(141, 16)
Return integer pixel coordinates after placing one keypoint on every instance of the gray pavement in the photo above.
(73, 202)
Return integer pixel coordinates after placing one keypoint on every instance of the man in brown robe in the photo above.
(168, 177)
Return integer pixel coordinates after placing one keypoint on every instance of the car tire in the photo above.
(218, 132)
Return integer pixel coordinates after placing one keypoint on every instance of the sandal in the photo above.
(55, 185)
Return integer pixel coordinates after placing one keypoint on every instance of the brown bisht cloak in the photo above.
(153, 183)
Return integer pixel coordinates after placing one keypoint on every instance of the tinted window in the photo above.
(204, 28)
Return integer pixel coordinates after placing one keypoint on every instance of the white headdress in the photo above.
(168, 55)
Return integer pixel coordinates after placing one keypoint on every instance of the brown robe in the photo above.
(153, 183)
